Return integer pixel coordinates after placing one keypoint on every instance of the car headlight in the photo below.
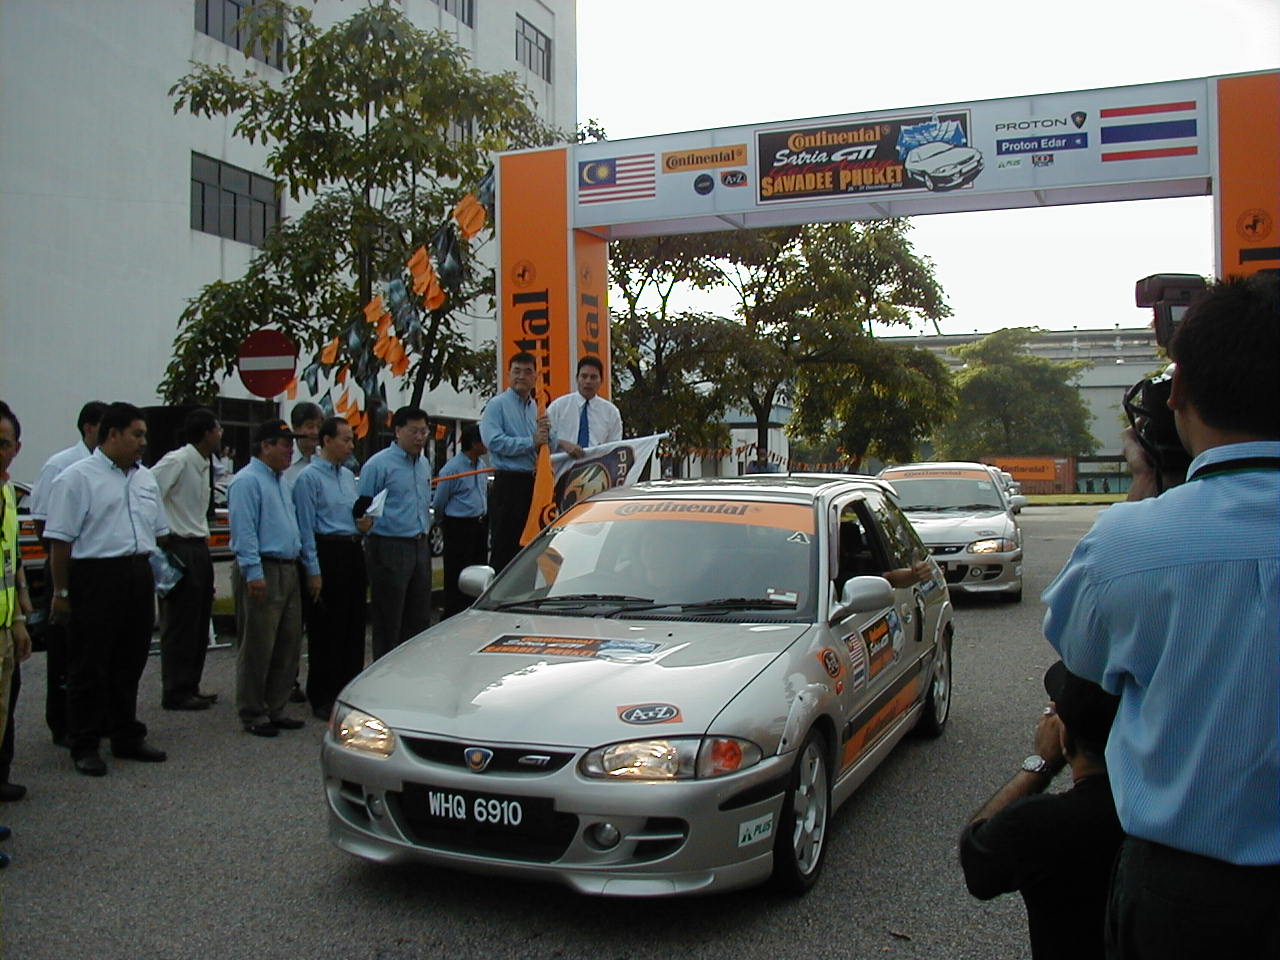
(994, 545)
(678, 758)
(359, 731)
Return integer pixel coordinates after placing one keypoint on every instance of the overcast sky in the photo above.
(661, 66)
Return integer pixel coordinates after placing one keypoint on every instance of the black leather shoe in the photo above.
(211, 697)
(5, 833)
(264, 729)
(4, 860)
(288, 723)
(191, 703)
(62, 740)
(320, 713)
(91, 765)
(141, 751)
(296, 695)
(10, 792)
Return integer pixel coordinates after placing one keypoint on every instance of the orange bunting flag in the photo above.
(361, 430)
(330, 352)
(384, 325)
(380, 348)
(291, 391)
(374, 309)
(422, 271)
(470, 215)
(342, 374)
(344, 401)
(354, 419)
(395, 350)
(400, 367)
(435, 297)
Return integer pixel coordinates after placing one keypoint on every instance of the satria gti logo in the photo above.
(477, 758)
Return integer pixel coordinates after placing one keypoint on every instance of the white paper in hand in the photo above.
(375, 506)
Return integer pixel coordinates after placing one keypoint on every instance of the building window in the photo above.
(231, 202)
(533, 48)
(464, 10)
(219, 19)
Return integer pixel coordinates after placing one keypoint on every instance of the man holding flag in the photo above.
(514, 428)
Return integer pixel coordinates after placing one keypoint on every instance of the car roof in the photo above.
(939, 465)
(797, 487)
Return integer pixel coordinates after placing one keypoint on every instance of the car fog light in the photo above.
(605, 835)
(975, 572)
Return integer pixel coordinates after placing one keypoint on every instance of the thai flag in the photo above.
(1149, 131)
(617, 178)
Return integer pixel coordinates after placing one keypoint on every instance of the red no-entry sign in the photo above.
(267, 361)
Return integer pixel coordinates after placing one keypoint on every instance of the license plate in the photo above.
(470, 809)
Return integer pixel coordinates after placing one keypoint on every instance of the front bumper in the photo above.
(978, 572)
(693, 836)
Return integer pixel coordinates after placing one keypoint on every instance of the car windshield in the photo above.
(729, 559)
(922, 494)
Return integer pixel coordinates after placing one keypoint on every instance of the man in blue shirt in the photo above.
(333, 560)
(512, 430)
(266, 544)
(1173, 602)
(398, 550)
(460, 502)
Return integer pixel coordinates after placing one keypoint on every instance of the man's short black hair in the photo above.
(90, 415)
(1226, 348)
(197, 423)
(524, 356)
(118, 416)
(330, 427)
(303, 412)
(470, 436)
(6, 413)
(591, 361)
(405, 414)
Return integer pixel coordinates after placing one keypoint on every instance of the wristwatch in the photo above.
(62, 594)
(1035, 764)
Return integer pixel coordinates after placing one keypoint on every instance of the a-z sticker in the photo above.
(753, 831)
(830, 662)
(646, 713)
(879, 639)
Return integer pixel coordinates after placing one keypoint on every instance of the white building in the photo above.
(101, 237)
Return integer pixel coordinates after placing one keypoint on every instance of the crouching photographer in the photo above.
(1173, 603)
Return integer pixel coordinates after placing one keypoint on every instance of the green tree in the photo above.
(1010, 402)
(386, 126)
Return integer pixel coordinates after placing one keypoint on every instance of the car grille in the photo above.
(408, 808)
(525, 760)
(946, 548)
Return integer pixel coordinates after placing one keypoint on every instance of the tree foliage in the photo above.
(386, 126)
(1010, 402)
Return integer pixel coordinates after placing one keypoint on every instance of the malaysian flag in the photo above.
(618, 178)
(1149, 131)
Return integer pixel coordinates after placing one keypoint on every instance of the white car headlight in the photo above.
(359, 731)
(994, 545)
(678, 758)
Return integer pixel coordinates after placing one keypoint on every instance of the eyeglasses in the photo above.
(415, 431)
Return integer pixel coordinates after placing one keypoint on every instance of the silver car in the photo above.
(669, 691)
(966, 518)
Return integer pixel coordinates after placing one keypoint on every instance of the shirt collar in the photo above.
(105, 461)
(1233, 451)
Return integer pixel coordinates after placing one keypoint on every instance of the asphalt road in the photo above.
(222, 852)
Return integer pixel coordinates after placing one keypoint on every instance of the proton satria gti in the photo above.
(669, 691)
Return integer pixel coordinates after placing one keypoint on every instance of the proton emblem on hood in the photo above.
(477, 758)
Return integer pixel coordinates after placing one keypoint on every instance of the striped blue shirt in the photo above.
(465, 496)
(323, 494)
(407, 480)
(1174, 603)
(263, 523)
(507, 427)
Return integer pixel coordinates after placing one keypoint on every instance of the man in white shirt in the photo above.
(55, 634)
(185, 483)
(105, 517)
(584, 418)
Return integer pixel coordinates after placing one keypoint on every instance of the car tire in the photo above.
(937, 703)
(800, 844)
(436, 540)
(928, 182)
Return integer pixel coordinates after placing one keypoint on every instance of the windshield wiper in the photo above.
(579, 598)
(741, 603)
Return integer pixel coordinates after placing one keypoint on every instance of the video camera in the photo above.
(1146, 402)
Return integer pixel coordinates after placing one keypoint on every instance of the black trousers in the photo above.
(1167, 904)
(55, 692)
(509, 500)
(400, 589)
(112, 615)
(187, 610)
(465, 543)
(336, 624)
(6, 745)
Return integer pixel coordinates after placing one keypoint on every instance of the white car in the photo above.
(943, 166)
(966, 519)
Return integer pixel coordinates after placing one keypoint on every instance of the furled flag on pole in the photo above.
(565, 481)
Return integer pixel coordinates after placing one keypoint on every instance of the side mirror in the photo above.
(863, 595)
(1017, 502)
(474, 581)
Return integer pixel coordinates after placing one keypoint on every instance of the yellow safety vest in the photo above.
(8, 557)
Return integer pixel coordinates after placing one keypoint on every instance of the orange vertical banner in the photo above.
(534, 282)
(1247, 191)
(591, 278)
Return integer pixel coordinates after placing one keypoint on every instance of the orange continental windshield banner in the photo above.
(533, 241)
(781, 516)
(943, 473)
(1247, 193)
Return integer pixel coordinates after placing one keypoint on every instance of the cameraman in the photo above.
(1173, 603)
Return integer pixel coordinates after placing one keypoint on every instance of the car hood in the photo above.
(494, 676)
(961, 527)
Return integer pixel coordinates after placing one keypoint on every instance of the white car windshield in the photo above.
(737, 559)
(946, 493)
